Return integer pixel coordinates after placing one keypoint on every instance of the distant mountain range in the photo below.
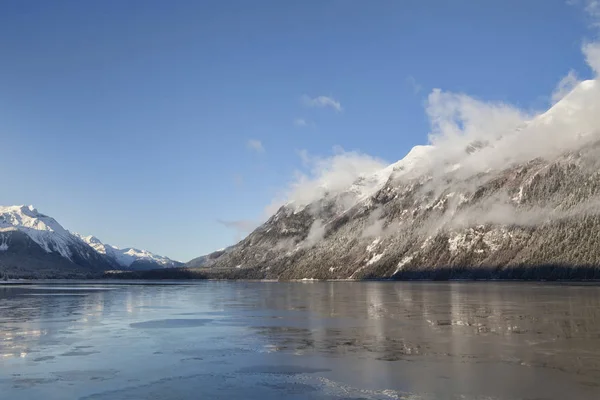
(35, 245)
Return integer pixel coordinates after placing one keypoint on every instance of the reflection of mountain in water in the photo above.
(470, 339)
(550, 327)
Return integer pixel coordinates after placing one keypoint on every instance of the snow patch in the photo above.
(494, 238)
(458, 241)
(519, 196)
(405, 260)
(375, 258)
(373, 245)
(464, 241)
(426, 242)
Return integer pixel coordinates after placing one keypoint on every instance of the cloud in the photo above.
(475, 136)
(315, 234)
(459, 122)
(322, 102)
(565, 86)
(469, 137)
(461, 118)
(328, 177)
(592, 8)
(591, 52)
(375, 224)
(412, 82)
(255, 145)
(300, 122)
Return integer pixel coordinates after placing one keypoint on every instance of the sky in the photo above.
(178, 126)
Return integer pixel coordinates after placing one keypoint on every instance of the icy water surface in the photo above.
(252, 340)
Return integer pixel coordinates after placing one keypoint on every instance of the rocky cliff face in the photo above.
(500, 208)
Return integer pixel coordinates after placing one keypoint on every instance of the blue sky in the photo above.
(162, 125)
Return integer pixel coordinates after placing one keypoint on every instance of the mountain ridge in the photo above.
(33, 244)
(517, 202)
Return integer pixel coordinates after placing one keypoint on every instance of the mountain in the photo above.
(520, 202)
(129, 258)
(35, 245)
(206, 259)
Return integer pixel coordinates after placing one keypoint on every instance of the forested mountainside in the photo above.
(522, 204)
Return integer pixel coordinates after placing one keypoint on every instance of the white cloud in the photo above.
(566, 85)
(458, 120)
(507, 134)
(322, 102)
(502, 133)
(300, 122)
(591, 52)
(592, 7)
(316, 233)
(255, 145)
(327, 176)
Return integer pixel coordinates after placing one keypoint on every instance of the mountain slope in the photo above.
(206, 259)
(35, 245)
(521, 204)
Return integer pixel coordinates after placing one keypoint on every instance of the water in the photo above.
(299, 341)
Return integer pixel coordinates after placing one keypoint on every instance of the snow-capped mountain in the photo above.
(43, 230)
(35, 245)
(129, 258)
(518, 203)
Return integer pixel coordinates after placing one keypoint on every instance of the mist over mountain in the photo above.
(498, 193)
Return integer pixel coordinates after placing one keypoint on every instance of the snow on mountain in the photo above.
(126, 257)
(570, 105)
(351, 178)
(517, 200)
(42, 229)
(52, 238)
(366, 186)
